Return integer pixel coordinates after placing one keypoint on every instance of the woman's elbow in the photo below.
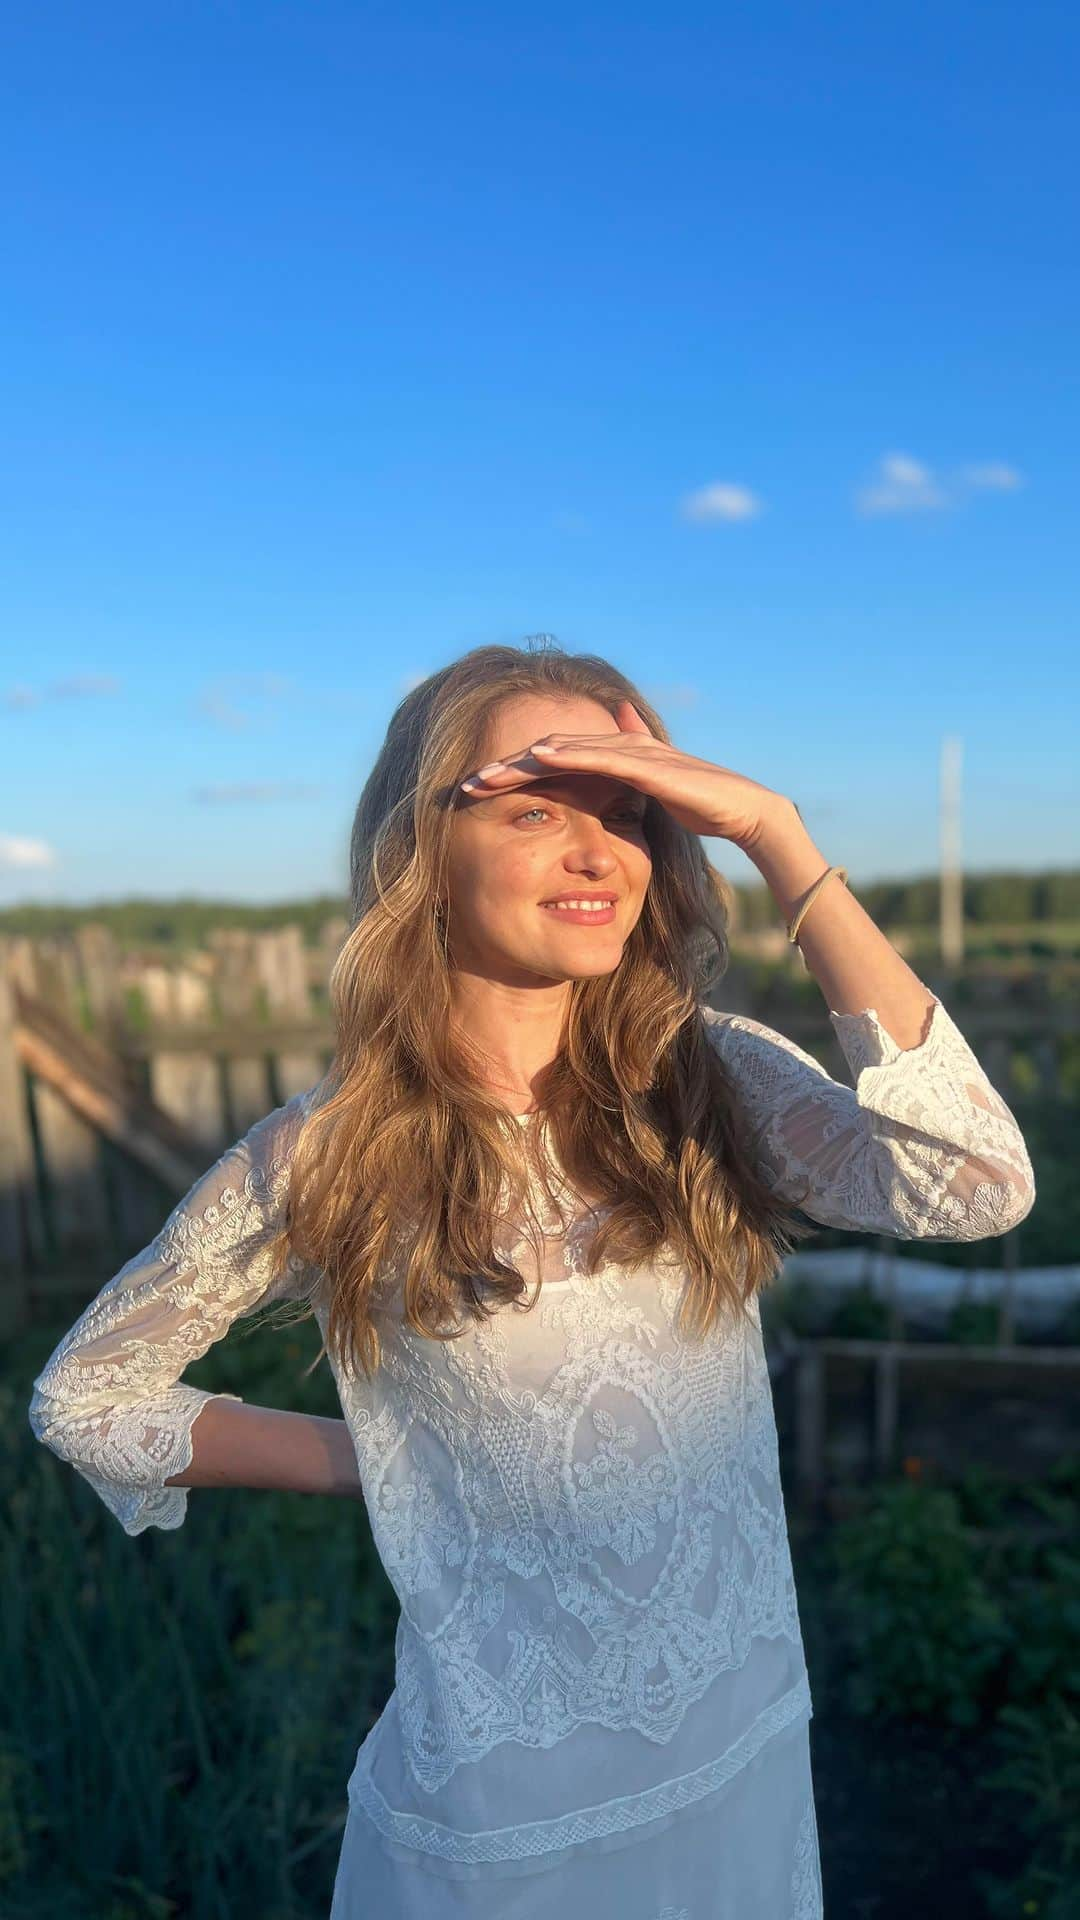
(58, 1426)
(992, 1209)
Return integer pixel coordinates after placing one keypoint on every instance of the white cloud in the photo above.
(903, 485)
(83, 686)
(219, 699)
(246, 792)
(720, 501)
(16, 852)
(994, 475)
(75, 686)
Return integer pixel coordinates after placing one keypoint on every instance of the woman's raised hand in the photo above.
(704, 798)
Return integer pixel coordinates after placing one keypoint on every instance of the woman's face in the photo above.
(577, 835)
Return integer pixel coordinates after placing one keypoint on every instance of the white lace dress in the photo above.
(601, 1701)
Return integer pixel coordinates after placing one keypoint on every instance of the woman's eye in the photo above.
(631, 816)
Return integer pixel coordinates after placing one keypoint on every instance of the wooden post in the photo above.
(247, 1079)
(71, 1151)
(186, 1085)
(99, 961)
(332, 935)
(886, 1408)
(886, 1247)
(282, 968)
(75, 1216)
(58, 978)
(21, 1227)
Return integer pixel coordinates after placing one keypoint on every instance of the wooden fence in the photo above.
(123, 1075)
(856, 1410)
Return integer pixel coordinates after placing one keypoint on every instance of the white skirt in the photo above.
(749, 1852)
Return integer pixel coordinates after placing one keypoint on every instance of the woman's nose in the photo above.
(593, 854)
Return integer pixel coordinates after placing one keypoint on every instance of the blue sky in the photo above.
(738, 344)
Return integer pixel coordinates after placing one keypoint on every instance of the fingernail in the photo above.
(493, 766)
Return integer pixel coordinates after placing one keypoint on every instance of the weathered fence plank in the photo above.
(186, 1085)
(220, 1037)
(282, 969)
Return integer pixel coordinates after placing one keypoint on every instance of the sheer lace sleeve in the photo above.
(110, 1399)
(922, 1147)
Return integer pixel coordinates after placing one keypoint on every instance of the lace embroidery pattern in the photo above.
(621, 1528)
(581, 1512)
(620, 1501)
(100, 1401)
(925, 1147)
(587, 1823)
(806, 1890)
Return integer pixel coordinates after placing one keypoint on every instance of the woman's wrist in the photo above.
(787, 857)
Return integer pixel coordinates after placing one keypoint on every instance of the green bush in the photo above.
(795, 1304)
(973, 1323)
(963, 1604)
(924, 1632)
(860, 1316)
(1040, 1775)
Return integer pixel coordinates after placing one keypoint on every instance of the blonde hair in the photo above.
(404, 1155)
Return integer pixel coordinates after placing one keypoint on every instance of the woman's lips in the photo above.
(581, 916)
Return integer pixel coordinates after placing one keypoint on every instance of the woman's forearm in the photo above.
(854, 963)
(235, 1444)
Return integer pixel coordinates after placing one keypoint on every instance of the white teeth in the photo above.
(574, 906)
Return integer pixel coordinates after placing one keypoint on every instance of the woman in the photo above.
(532, 1207)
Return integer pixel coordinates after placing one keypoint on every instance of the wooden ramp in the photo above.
(74, 1107)
(99, 1088)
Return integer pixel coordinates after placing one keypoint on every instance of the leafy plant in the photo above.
(1040, 1771)
(973, 1323)
(795, 1304)
(923, 1631)
(860, 1316)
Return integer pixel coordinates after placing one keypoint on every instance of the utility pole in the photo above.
(952, 876)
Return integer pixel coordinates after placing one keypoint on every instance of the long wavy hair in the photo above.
(402, 1162)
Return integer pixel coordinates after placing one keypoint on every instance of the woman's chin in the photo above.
(585, 966)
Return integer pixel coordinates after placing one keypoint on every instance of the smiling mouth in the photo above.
(581, 912)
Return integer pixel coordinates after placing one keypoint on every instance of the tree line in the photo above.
(998, 899)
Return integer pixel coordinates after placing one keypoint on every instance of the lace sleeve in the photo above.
(110, 1400)
(922, 1147)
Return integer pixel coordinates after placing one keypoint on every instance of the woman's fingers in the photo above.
(541, 757)
(543, 753)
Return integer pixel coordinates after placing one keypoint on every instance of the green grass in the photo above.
(182, 1710)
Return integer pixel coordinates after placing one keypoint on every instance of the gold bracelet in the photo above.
(811, 897)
